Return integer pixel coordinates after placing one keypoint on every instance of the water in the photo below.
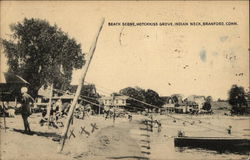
(160, 145)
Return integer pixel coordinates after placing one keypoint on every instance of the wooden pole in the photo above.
(49, 105)
(99, 112)
(15, 101)
(4, 119)
(3, 111)
(81, 82)
(114, 108)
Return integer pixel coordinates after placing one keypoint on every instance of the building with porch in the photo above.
(118, 101)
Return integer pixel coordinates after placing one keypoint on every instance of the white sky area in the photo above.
(154, 56)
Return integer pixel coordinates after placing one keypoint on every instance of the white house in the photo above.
(119, 101)
(169, 104)
(200, 100)
(180, 106)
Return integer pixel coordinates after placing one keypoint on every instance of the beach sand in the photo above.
(121, 140)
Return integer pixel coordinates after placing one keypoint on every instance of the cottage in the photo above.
(186, 107)
(175, 104)
(200, 100)
(169, 105)
(119, 101)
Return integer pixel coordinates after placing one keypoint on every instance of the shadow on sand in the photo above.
(42, 134)
(145, 129)
(130, 157)
(144, 152)
(145, 141)
(145, 135)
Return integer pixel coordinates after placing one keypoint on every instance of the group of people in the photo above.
(58, 110)
(112, 112)
(24, 105)
(54, 115)
(25, 101)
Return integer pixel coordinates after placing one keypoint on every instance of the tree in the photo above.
(89, 93)
(237, 99)
(209, 99)
(177, 98)
(148, 96)
(42, 54)
(207, 105)
(152, 97)
(136, 95)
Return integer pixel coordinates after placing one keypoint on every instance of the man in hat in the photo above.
(26, 101)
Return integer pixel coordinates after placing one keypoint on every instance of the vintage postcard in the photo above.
(129, 80)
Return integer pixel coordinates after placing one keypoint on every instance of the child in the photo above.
(43, 120)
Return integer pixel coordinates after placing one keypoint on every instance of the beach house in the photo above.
(118, 101)
(199, 100)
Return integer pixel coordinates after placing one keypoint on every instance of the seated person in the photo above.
(44, 119)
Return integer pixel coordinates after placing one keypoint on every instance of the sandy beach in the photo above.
(121, 140)
(107, 141)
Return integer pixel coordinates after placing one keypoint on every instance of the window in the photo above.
(123, 101)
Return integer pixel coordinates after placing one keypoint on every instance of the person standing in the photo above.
(26, 102)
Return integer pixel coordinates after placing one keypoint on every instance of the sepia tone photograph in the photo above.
(124, 80)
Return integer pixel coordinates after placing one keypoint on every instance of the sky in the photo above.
(200, 60)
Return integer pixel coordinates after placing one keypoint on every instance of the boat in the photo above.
(214, 143)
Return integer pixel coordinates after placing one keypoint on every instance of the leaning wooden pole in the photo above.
(78, 91)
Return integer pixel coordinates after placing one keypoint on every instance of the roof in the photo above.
(187, 103)
(200, 97)
(168, 106)
(116, 97)
(166, 98)
(191, 103)
(6, 88)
